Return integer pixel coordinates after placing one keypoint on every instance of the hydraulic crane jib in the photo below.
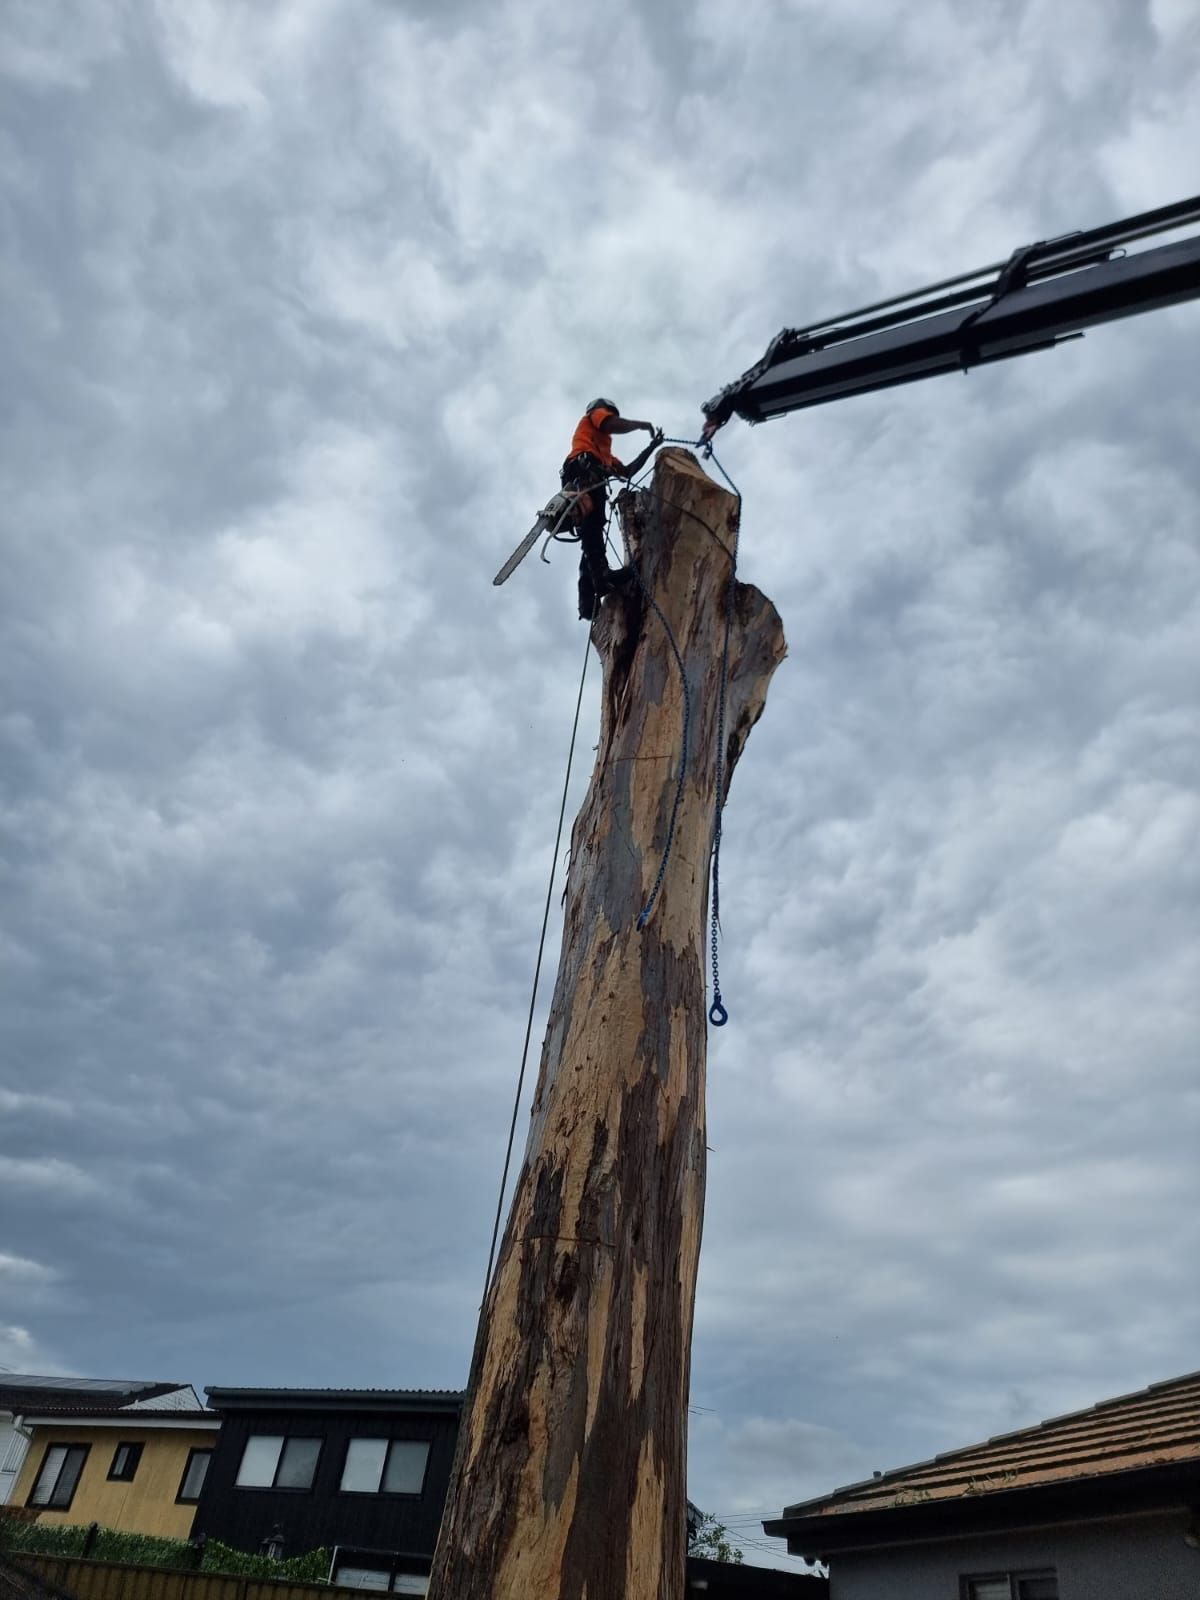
(1044, 293)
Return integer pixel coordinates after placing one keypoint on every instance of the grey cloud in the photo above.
(304, 303)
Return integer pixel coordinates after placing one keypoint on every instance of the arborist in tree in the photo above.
(590, 464)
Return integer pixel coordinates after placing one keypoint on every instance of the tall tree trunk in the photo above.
(570, 1477)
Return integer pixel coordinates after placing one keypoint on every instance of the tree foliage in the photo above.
(711, 1540)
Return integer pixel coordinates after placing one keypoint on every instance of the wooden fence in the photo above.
(118, 1580)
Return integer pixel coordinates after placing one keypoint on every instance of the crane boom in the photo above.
(1044, 293)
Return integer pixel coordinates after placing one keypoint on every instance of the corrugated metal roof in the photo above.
(341, 1394)
(342, 1399)
(1154, 1427)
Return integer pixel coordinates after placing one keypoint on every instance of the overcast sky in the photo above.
(301, 302)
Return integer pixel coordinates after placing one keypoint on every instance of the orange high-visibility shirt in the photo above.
(591, 439)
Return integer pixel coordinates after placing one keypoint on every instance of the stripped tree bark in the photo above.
(569, 1482)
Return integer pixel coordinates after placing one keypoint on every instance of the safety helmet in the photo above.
(607, 404)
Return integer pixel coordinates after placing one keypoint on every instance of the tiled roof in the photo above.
(28, 1392)
(132, 1417)
(70, 1384)
(1155, 1427)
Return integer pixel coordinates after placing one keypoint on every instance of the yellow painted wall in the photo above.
(147, 1505)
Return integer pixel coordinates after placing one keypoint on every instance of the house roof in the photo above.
(733, 1580)
(1155, 1430)
(223, 1399)
(130, 1418)
(27, 1392)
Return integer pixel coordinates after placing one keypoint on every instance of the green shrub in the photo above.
(145, 1550)
(43, 1538)
(312, 1567)
(141, 1549)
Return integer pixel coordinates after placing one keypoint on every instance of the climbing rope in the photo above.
(537, 968)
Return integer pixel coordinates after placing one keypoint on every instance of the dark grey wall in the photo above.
(1138, 1558)
(323, 1515)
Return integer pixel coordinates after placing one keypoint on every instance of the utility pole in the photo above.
(570, 1479)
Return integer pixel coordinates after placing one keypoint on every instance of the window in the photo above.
(365, 1461)
(405, 1470)
(385, 1466)
(271, 1461)
(1042, 1585)
(125, 1462)
(259, 1461)
(194, 1475)
(380, 1578)
(57, 1481)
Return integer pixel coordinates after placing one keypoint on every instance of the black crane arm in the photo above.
(1044, 293)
